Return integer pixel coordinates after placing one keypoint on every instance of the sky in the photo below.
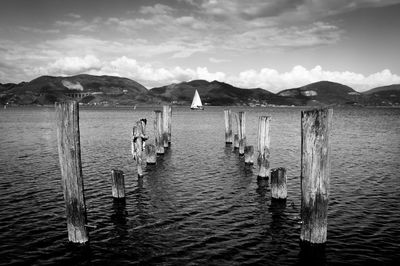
(273, 45)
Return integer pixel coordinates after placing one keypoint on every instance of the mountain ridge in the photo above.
(112, 90)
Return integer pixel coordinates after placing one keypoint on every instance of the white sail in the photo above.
(196, 103)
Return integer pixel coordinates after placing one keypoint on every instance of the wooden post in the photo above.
(228, 126)
(241, 131)
(118, 184)
(315, 168)
(69, 151)
(165, 120)
(151, 157)
(278, 183)
(169, 124)
(263, 147)
(236, 142)
(248, 154)
(138, 138)
(158, 129)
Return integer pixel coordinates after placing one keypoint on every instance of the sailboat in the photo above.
(196, 103)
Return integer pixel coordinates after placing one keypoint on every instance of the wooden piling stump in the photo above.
(236, 142)
(151, 157)
(263, 145)
(315, 171)
(242, 131)
(228, 126)
(118, 184)
(69, 151)
(278, 183)
(249, 155)
(158, 129)
(166, 119)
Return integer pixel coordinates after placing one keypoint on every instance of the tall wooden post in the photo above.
(117, 184)
(228, 126)
(263, 145)
(315, 171)
(138, 138)
(236, 142)
(69, 151)
(158, 129)
(151, 157)
(278, 183)
(248, 154)
(169, 124)
(165, 122)
(241, 131)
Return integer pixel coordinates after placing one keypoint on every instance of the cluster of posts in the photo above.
(162, 129)
(69, 150)
(315, 164)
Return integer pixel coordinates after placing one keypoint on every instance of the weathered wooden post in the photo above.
(236, 142)
(158, 130)
(169, 124)
(151, 157)
(165, 118)
(241, 131)
(278, 183)
(263, 147)
(138, 138)
(69, 151)
(228, 126)
(248, 154)
(118, 184)
(315, 170)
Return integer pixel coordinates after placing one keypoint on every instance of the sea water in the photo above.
(200, 205)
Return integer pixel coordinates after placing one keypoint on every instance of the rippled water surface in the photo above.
(200, 205)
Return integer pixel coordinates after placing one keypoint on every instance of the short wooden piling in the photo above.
(249, 155)
(69, 151)
(263, 144)
(158, 130)
(165, 121)
(236, 142)
(228, 126)
(241, 131)
(278, 183)
(151, 157)
(315, 171)
(117, 184)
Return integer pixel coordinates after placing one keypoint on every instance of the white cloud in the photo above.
(274, 81)
(266, 78)
(217, 60)
(71, 65)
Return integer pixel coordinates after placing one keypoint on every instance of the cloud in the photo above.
(274, 81)
(216, 60)
(71, 66)
(265, 78)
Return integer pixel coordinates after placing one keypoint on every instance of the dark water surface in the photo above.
(200, 205)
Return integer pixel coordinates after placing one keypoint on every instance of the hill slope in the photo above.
(215, 93)
(87, 88)
(321, 93)
(385, 95)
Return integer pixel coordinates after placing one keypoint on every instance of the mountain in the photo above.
(86, 88)
(215, 93)
(110, 90)
(322, 93)
(385, 95)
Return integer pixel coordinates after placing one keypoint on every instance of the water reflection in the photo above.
(118, 217)
(312, 254)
